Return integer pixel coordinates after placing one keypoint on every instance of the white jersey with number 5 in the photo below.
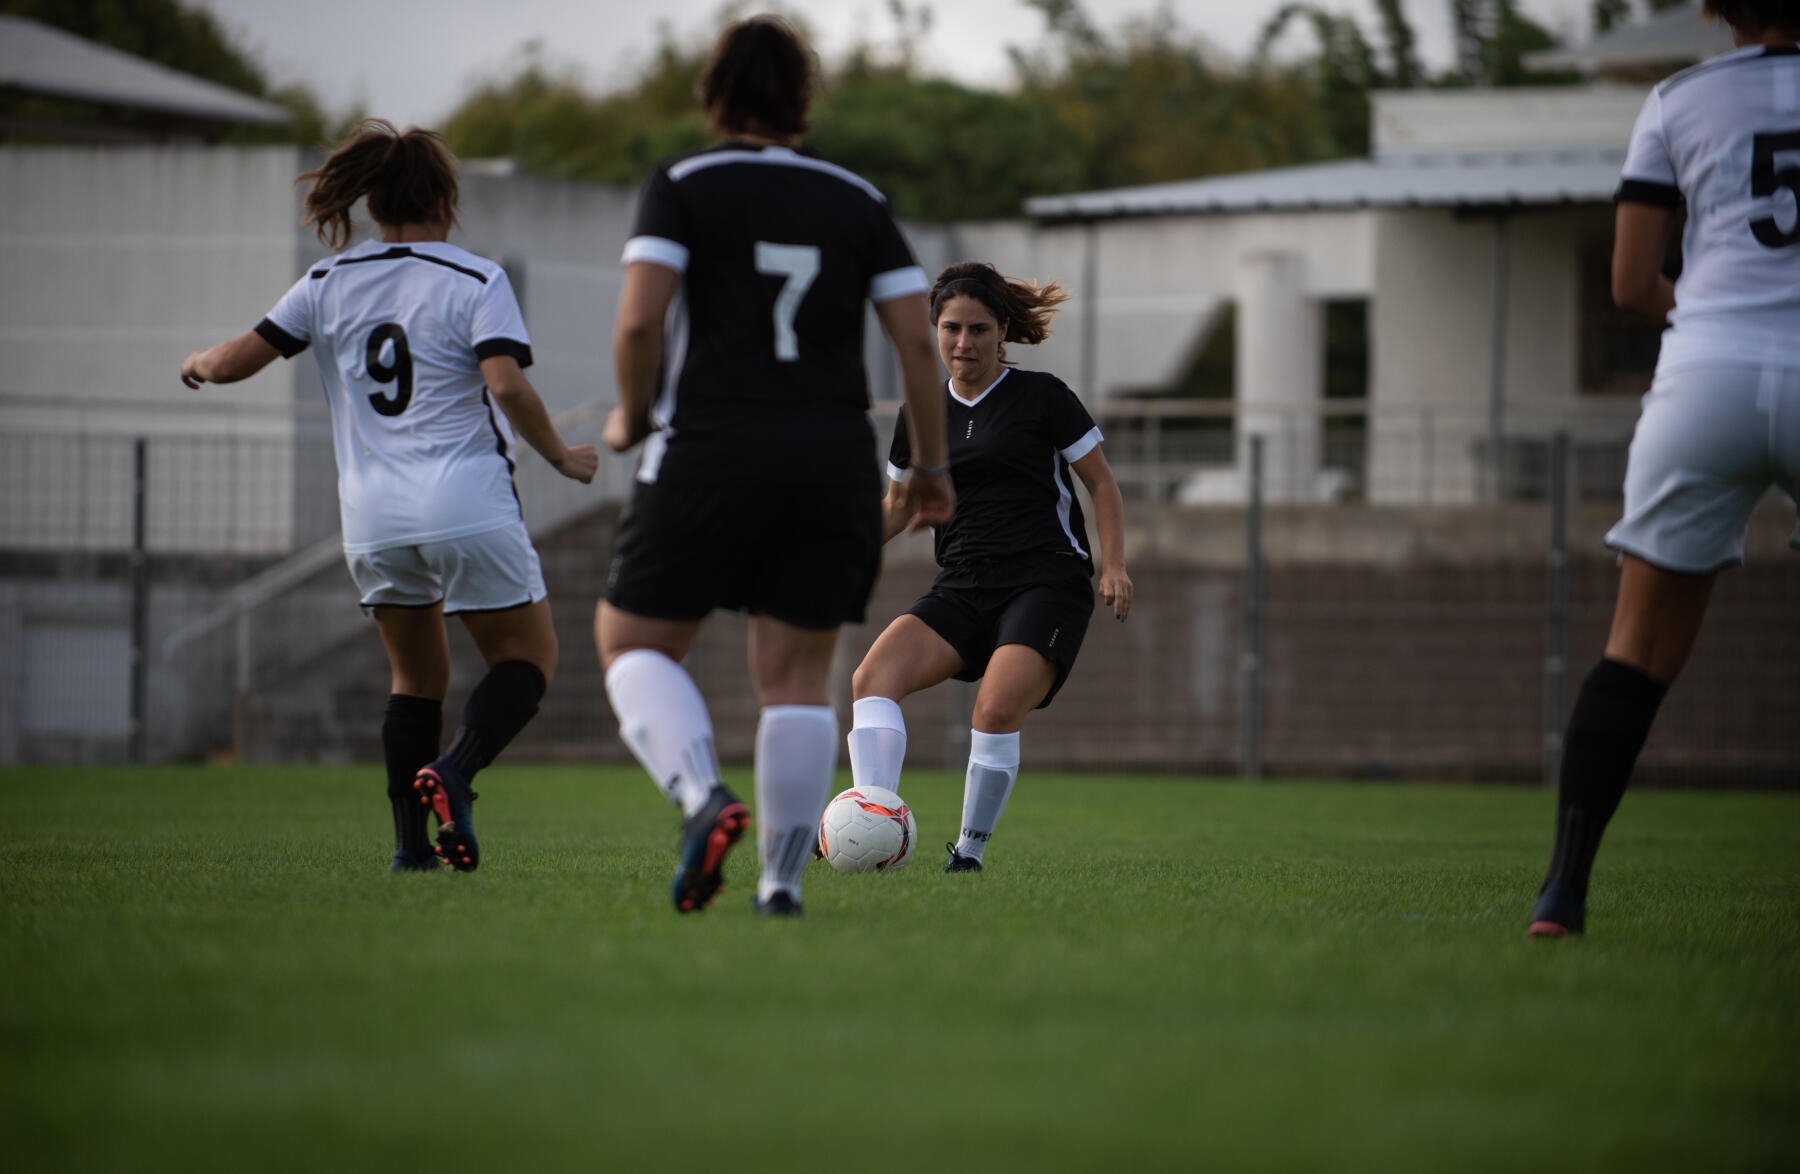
(400, 331)
(1726, 136)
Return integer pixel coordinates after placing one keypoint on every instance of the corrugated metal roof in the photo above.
(1587, 175)
(45, 60)
(1676, 36)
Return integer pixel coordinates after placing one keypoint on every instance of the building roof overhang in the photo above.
(42, 60)
(1423, 179)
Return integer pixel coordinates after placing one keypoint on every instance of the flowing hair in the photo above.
(1756, 17)
(1021, 306)
(409, 178)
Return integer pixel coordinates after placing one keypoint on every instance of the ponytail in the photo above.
(408, 178)
(1020, 305)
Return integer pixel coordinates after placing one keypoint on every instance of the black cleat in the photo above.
(707, 837)
(1554, 917)
(442, 788)
(779, 904)
(959, 862)
(407, 862)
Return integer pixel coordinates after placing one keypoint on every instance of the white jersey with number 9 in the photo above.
(400, 331)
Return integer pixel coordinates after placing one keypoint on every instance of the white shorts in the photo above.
(1712, 439)
(491, 571)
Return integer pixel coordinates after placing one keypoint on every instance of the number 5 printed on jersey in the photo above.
(800, 265)
(389, 361)
(1766, 180)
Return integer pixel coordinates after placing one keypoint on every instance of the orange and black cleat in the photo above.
(442, 788)
(1554, 916)
(707, 837)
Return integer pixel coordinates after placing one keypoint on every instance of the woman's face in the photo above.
(968, 340)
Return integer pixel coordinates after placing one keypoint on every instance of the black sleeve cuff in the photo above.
(489, 348)
(281, 340)
(1640, 191)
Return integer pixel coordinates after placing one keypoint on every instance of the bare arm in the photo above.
(896, 511)
(638, 350)
(240, 358)
(1640, 237)
(925, 497)
(523, 407)
(1109, 518)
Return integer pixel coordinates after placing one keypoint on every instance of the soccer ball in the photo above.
(866, 829)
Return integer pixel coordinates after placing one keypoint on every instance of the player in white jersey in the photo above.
(418, 341)
(1721, 422)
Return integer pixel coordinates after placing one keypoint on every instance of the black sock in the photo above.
(410, 729)
(1606, 731)
(503, 701)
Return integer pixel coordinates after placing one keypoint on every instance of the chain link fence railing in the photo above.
(1366, 608)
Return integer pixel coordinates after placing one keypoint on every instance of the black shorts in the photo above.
(807, 555)
(1050, 617)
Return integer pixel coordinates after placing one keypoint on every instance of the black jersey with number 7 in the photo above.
(778, 251)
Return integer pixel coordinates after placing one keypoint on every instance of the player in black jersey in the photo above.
(758, 489)
(1012, 600)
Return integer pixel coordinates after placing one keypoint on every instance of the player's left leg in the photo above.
(1037, 636)
(796, 752)
(413, 720)
(1018, 679)
(1654, 627)
(494, 584)
(519, 646)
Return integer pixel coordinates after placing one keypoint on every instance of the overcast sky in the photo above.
(410, 60)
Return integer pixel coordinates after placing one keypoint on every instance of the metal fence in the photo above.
(1361, 607)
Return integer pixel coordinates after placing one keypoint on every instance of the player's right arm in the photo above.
(1648, 196)
(897, 510)
(228, 362)
(1640, 237)
(925, 497)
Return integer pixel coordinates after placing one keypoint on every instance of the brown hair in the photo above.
(760, 78)
(409, 178)
(1756, 16)
(1020, 306)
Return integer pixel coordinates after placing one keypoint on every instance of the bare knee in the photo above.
(993, 717)
(419, 681)
(869, 681)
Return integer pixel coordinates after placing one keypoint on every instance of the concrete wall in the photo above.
(1146, 292)
(119, 261)
(1399, 643)
(1432, 338)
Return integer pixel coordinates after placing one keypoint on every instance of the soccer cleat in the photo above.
(442, 788)
(407, 862)
(780, 904)
(1553, 917)
(707, 837)
(958, 862)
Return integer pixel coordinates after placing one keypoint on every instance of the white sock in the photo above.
(663, 719)
(993, 768)
(877, 743)
(796, 755)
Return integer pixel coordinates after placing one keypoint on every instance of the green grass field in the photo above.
(210, 969)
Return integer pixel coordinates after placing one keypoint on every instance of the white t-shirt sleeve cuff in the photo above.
(897, 283)
(1081, 448)
(658, 251)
